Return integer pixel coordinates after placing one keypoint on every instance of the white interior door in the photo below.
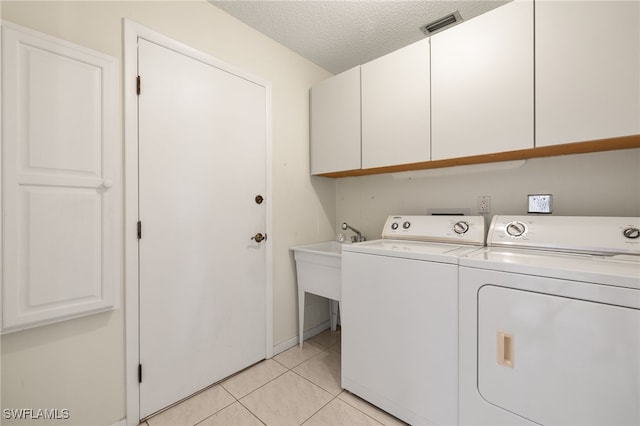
(202, 278)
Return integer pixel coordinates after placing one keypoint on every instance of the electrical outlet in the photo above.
(484, 204)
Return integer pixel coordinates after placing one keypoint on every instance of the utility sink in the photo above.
(327, 247)
(319, 270)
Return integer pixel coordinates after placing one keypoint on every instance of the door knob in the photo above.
(259, 237)
(259, 199)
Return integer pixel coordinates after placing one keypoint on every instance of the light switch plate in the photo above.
(540, 203)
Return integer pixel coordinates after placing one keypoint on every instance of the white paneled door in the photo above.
(202, 270)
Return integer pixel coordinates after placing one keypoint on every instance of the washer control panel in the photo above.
(461, 227)
(584, 234)
(440, 228)
(516, 229)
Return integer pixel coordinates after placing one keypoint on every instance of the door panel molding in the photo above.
(133, 31)
(61, 143)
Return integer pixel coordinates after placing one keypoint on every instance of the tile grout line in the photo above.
(226, 406)
(325, 348)
(357, 409)
(318, 410)
(328, 349)
(251, 412)
(238, 400)
(290, 369)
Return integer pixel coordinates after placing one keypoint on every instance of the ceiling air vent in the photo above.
(442, 23)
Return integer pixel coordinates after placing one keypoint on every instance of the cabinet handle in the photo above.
(505, 349)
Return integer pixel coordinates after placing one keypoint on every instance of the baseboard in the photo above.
(288, 344)
(122, 422)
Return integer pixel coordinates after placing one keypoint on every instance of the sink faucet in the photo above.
(355, 238)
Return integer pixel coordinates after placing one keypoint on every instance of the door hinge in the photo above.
(139, 373)
(138, 85)
(139, 230)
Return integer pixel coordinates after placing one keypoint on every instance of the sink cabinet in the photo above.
(482, 84)
(587, 70)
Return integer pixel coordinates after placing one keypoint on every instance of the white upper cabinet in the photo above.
(61, 185)
(335, 123)
(396, 120)
(482, 84)
(587, 70)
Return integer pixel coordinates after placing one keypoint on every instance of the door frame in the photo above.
(133, 31)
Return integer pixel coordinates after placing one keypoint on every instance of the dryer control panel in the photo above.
(586, 234)
(446, 229)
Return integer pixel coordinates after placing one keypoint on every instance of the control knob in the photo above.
(516, 229)
(406, 225)
(461, 227)
(631, 233)
(394, 225)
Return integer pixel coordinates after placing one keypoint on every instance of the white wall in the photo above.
(597, 184)
(79, 364)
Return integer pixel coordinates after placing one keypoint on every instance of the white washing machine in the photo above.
(550, 323)
(400, 318)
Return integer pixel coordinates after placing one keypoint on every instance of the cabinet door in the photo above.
(396, 108)
(482, 84)
(587, 68)
(335, 123)
(61, 180)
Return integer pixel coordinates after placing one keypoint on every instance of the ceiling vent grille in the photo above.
(442, 23)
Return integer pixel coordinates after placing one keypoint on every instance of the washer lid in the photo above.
(616, 270)
(418, 250)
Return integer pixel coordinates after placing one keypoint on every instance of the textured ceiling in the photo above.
(340, 34)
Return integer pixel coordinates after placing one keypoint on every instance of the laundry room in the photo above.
(92, 234)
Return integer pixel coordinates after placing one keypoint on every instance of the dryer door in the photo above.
(556, 360)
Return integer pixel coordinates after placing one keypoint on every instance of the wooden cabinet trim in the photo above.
(610, 144)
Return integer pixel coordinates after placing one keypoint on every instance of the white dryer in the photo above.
(399, 318)
(550, 323)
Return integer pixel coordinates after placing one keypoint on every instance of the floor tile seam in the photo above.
(191, 397)
(318, 410)
(274, 358)
(260, 387)
(237, 373)
(213, 414)
(315, 384)
(311, 357)
(319, 344)
(251, 412)
(301, 362)
(330, 345)
(356, 408)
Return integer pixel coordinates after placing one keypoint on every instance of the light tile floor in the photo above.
(296, 387)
